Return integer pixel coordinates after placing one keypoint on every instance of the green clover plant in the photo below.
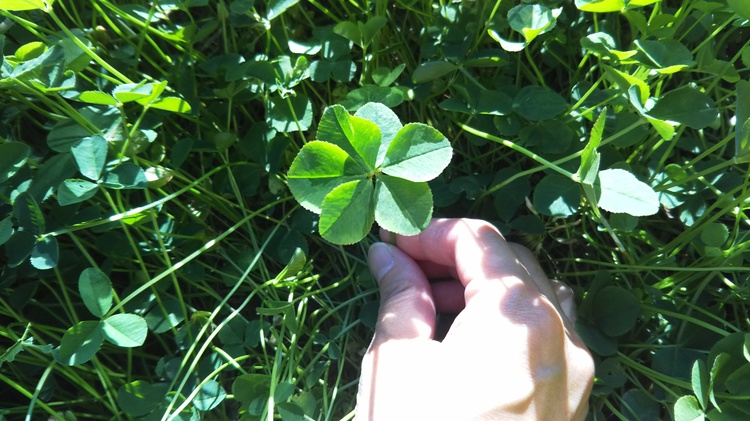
(368, 167)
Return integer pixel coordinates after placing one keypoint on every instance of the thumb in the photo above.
(407, 310)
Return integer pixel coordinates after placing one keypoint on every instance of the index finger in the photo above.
(474, 248)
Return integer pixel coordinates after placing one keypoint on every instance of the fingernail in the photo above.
(380, 259)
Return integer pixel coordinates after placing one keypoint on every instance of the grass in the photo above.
(237, 309)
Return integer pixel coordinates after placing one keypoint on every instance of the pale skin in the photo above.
(512, 352)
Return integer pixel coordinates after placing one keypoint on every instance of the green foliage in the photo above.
(368, 167)
(154, 263)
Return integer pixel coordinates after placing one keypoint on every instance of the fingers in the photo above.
(407, 310)
(476, 250)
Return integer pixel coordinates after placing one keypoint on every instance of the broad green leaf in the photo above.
(249, 387)
(615, 310)
(665, 129)
(721, 367)
(556, 195)
(290, 411)
(538, 103)
(358, 137)
(600, 6)
(686, 409)
(714, 234)
(80, 343)
(532, 20)
(74, 190)
(139, 397)
(290, 114)
(402, 207)
(277, 7)
(738, 383)
(126, 176)
(509, 46)
(6, 229)
(45, 254)
(18, 247)
(687, 106)
(171, 103)
(666, 56)
(347, 213)
(742, 120)
(67, 132)
(28, 214)
(622, 192)
(432, 70)
(125, 330)
(90, 154)
(319, 168)
(130, 92)
(349, 30)
(549, 136)
(13, 156)
(699, 381)
(417, 153)
(96, 291)
(209, 396)
(741, 7)
(97, 97)
(18, 5)
(387, 122)
(590, 157)
(50, 174)
(371, 28)
(165, 316)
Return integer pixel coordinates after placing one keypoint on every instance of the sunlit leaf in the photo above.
(319, 168)
(97, 97)
(686, 409)
(555, 195)
(348, 212)
(18, 5)
(358, 137)
(532, 20)
(96, 291)
(45, 254)
(622, 192)
(125, 330)
(417, 153)
(600, 6)
(90, 154)
(80, 343)
(209, 396)
(402, 207)
(688, 106)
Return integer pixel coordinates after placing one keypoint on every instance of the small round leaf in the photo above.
(80, 343)
(96, 291)
(615, 310)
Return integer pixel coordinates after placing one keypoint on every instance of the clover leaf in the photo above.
(366, 168)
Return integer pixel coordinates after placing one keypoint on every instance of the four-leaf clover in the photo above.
(368, 167)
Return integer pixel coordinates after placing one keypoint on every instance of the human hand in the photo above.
(511, 353)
